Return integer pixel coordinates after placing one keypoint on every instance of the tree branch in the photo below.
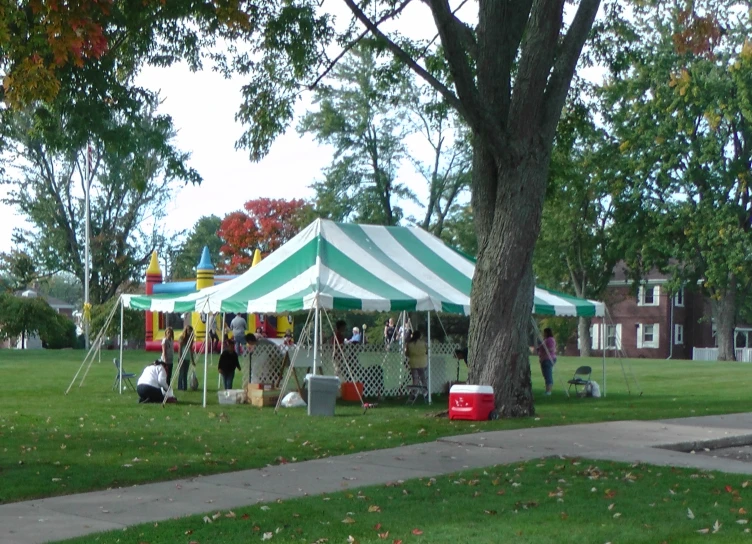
(566, 62)
(403, 56)
(396, 11)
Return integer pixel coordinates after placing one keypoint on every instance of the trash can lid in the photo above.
(323, 378)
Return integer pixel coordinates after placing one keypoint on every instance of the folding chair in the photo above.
(126, 376)
(415, 391)
(581, 378)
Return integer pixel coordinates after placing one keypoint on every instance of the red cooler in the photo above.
(473, 402)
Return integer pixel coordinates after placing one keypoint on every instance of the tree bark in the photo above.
(583, 333)
(500, 318)
(723, 307)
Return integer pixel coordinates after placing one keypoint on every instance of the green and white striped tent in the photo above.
(354, 267)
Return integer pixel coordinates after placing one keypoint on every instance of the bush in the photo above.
(60, 335)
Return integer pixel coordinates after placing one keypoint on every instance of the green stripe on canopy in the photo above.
(355, 267)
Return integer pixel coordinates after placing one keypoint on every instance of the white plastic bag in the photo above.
(293, 400)
(595, 390)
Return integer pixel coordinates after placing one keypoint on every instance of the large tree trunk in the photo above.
(503, 285)
(723, 307)
(583, 333)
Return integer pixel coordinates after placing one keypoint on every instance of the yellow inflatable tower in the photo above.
(204, 279)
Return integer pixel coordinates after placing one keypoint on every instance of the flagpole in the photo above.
(87, 190)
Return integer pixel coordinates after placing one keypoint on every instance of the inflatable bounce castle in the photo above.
(271, 326)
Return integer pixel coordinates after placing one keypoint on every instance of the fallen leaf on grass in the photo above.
(617, 515)
(384, 536)
(742, 521)
(373, 508)
(716, 526)
(267, 536)
(742, 511)
(265, 508)
(703, 531)
(189, 532)
(690, 514)
(490, 512)
(377, 526)
(230, 514)
(207, 519)
(193, 542)
(351, 539)
(172, 469)
(396, 542)
(348, 520)
(417, 532)
(217, 515)
(245, 516)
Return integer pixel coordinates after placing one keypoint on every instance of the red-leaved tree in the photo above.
(265, 224)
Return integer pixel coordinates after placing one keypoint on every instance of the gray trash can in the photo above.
(322, 395)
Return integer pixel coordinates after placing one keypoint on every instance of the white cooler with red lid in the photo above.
(473, 402)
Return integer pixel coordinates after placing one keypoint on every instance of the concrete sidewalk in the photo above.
(58, 518)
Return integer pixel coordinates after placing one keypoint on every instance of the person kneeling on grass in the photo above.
(152, 384)
(228, 363)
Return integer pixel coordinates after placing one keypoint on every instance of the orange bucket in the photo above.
(350, 391)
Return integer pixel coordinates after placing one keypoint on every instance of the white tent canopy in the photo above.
(355, 267)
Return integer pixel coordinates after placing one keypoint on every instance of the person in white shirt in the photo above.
(238, 326)
(152, 384)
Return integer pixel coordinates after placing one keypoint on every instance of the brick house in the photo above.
(651, 322)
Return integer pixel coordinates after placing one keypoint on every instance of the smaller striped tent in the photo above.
(355, 267)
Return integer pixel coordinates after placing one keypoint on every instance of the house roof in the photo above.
(621, 275)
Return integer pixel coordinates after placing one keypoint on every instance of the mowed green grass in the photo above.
(545, 501)
(94, 438)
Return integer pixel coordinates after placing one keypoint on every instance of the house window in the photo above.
(613, 337)
(678, 334)
(647, 335)
(679, 297)
(648, 295)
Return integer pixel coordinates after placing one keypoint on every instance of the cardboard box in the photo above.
(263, 398)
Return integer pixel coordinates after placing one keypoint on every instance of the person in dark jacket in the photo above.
(228, 363)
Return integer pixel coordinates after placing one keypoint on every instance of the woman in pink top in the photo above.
(547, 357)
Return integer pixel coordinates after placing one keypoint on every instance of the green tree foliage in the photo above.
(448, 172)
(363, 117)
(19, 268)
(134, 328)
(130, 177)
(680, 107)
(25, 316)
(203, 234)
(459, 231)
(576, 250)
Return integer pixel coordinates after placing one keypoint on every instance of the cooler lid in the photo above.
(477, 389)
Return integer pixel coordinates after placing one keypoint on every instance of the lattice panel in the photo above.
(383, 372)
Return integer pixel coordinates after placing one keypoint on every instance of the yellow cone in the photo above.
(256, 257)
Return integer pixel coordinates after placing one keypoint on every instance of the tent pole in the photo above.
(209, 318)
(122, 320)
(428, 313)
(603, 345)
(316, 332)
(222, 347)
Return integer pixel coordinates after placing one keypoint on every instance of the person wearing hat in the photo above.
(152, 384)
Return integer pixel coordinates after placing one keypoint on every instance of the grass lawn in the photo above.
(52, 444)
(545, 501)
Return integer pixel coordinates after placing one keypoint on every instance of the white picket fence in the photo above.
(743, 355)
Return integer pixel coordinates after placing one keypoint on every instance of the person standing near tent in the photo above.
(168, 351)
(186, 351)
(238, 326)
(153, 384)
(547, 358)
(228, 364)
(416, 350)
(389, 331)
